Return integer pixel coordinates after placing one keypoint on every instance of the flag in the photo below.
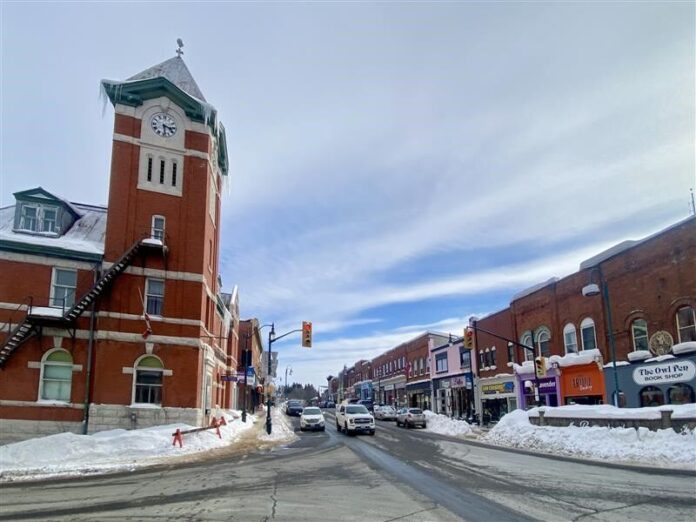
(148, 327)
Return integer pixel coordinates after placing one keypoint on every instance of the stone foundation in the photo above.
(112, 416)
(18, 430)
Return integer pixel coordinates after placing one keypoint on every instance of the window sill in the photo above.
(145, 406)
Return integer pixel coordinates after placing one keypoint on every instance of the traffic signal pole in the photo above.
(271, 339)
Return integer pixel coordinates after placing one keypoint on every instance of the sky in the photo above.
(394, 167)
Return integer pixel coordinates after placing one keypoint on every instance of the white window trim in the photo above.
(693, 318)
(584, 324)
(36, 218)
(164, 226)
(633, 333)
(568, 328)
(147, 294)
(135, 378)
(52, 292)
(41, 374)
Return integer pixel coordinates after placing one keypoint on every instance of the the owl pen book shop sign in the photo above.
(665, 373)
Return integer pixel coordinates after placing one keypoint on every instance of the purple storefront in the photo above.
(549, 388)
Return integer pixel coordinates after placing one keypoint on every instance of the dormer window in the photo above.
(30, 218)
(48, 221)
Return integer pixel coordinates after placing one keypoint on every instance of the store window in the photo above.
(147, 382)
(686, 324)
(639, 330)
(680, 394)
(570, 338)
(56, 376)
(651, 396)
(588, 334)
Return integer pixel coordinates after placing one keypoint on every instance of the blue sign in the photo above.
(250, 371)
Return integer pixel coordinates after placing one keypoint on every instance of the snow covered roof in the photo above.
(684, 348)
(575, 359)
(533, 288)
(175, 71)
(85, 239)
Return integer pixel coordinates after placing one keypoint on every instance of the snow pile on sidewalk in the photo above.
(444, 425)
(281, 428)
(71, 454)
(607, 411)
(661, 448)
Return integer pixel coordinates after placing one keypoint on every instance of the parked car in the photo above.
(294, 408)
(385, 413)
(368, 404)
(311, 418)
(410, 417)
(354, 418)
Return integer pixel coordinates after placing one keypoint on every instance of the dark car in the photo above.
(294, 408)
(368, 404)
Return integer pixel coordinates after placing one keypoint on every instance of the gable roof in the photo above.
(41, 195)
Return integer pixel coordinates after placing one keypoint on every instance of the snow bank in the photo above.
(660, 448)
(444, 425)
(71, 454)
(607, 411)
(281, 428)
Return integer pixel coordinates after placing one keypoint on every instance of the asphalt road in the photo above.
(399, 474)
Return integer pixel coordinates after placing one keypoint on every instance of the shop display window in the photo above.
(651, 396)
(680, 394)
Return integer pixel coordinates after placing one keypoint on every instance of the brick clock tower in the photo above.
(162, 329)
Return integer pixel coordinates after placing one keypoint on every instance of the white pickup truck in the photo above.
(354, 418)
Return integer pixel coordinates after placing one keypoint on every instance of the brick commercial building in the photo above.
(114, 317)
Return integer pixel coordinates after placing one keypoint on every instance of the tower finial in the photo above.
(180, 43)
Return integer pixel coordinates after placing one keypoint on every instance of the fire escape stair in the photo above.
(25, 329)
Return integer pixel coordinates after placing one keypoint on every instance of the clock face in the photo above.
(163, 125)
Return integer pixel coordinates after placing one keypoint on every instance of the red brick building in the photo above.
(114, 317)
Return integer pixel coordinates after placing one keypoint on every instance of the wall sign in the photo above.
(665, 373)
(499, 387)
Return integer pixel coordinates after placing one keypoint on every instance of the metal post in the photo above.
(246, 385)
(610, 334)
(271, 335)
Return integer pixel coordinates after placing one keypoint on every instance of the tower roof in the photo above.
(175, 71)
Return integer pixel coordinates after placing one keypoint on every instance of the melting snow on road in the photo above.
(663, 448)
(444, 425)
(113, 450)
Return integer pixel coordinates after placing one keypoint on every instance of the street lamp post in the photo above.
(271, 336)
(247, 360)
(592, 290)
(286, 380)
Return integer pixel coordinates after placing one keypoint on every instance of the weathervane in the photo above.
(180, 43)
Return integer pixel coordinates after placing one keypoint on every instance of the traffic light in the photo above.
(468, 338)
(307, 334)
(540, 366)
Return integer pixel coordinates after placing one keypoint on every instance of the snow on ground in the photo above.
(281, 427)
(71, 454)
(607, 411)
(662, 448)
(444, 425)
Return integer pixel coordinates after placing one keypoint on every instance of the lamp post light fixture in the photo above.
(592, 290)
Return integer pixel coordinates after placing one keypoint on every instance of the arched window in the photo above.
(56, 376)
(686, 324)
(570, 338)
(526, 340)
(651, 396)
(588, 334)
(543, 342)
(680, 394)
(147, 382)
(639, 330)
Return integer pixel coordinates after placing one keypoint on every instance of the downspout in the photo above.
(88, 376)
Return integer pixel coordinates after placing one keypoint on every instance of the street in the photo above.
(399, 474)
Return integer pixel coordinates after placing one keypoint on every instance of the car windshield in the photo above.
(356, 408)
(311, 411)
(416, 411)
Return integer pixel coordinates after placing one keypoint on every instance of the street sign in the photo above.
(274, 364)
(229, 378)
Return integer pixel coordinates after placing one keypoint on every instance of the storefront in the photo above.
(582, 384)
(497, 397)
(669, 380)
(454, 396)
(548, 388)
(419, 394)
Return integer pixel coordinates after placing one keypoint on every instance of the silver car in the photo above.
(410, 417)
(385, 413)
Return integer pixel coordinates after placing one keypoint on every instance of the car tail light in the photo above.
(410, 415)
